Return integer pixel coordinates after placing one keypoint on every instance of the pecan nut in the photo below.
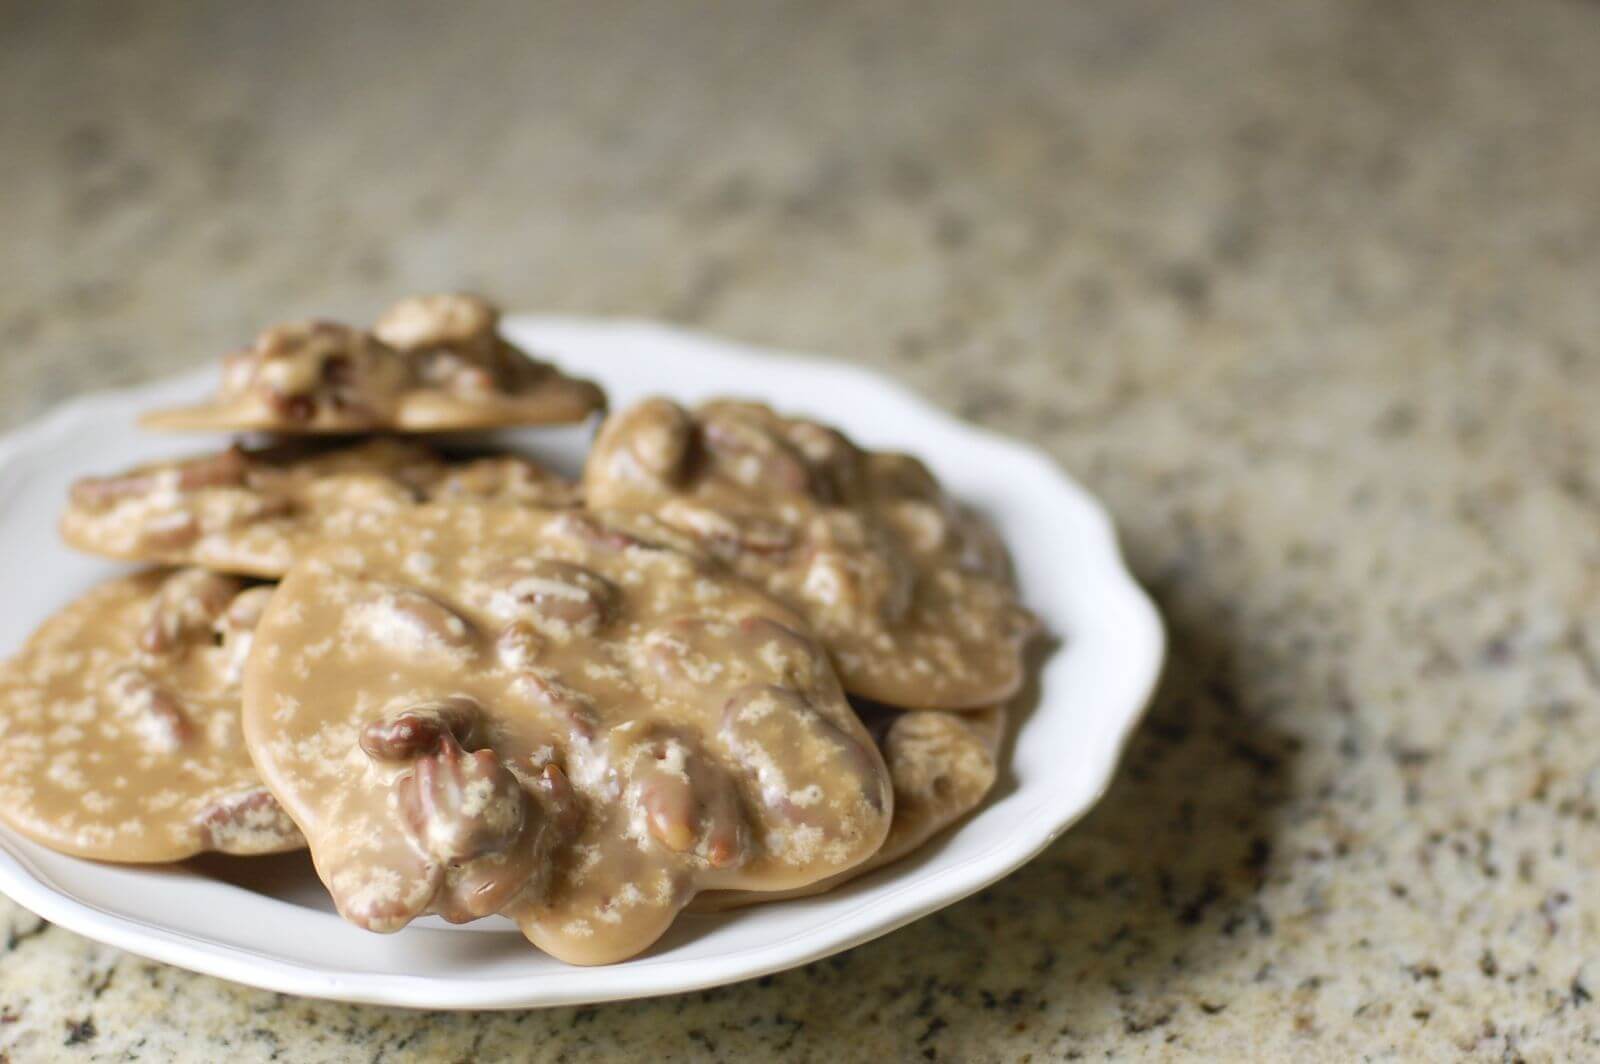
(186, 609)
(750, 453)
(459, 805)
(226, 469)
(301, 369)
(247, 823)
(802, 761)
(421, 728)
(154, 713)
(404, 619)
(687, 803)
(686, 654)
(559, 600)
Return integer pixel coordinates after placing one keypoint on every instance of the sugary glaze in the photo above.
(942, 765)
(911, 593)
(434, 364)
(493, 709)
(254, 511)
(119, 724)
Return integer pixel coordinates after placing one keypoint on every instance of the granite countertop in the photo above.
(1305, 290)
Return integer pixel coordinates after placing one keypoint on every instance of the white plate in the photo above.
(268, 923)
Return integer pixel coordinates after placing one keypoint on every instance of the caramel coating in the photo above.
(119, 725)
(433, 364)
(911, 594)
(943, 765)
(254, 511)
(496, 709)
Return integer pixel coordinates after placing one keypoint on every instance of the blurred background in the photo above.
(1304, 289)
(947, 189)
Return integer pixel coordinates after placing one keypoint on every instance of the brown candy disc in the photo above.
(911, 594)
(254, 511)
(119, 724)
(491, 709)
(433, 364)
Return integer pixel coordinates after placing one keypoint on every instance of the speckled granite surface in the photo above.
(1305, 290)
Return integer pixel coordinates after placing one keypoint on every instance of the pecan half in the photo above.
(422, 728)
(452, 318)
(453, 340)
(565, 703)
(154, 713)
(302, 368)
(249, 822)
(852, 568)
(186, 609)
(590, 530)
(923, 528)
(660, 437)
(488, 883)
(236, 628)
(749, 453)
(404, 619)
(518, 646)
(558, 599)
(172, 531)
(835, 462)
(459, 805)
(689, 805)
(896, 475)
(727, 533)
(509, 478)
(799, 758)
(244, 612)
(226, 469)
(687, 654)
